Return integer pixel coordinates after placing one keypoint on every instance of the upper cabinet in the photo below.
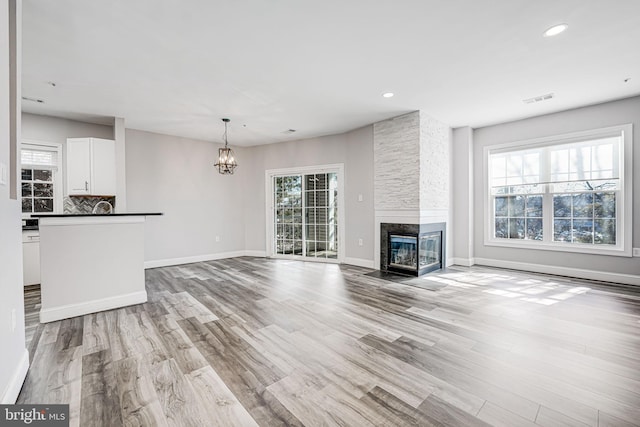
(91, 167)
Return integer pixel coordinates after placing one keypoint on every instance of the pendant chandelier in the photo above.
(226, 160)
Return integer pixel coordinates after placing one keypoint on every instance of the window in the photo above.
(41, 192)
(571, 192)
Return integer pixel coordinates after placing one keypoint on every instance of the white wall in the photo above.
(55, 129)
(435, 160)
(13, 356)
(359, 181)
(462, 196)
(121, 161)
(592, 117)
(176, 176)
(354, 149)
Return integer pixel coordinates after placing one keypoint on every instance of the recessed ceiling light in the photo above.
(555, 30)
(387, 94)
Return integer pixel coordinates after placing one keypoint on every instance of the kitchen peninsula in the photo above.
(91, 263)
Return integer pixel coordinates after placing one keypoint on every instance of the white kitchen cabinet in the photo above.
(91, 167)
(31, 257)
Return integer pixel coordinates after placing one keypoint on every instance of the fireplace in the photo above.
(412, 249)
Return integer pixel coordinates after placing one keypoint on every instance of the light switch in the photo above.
(360, 198)
(3, 174)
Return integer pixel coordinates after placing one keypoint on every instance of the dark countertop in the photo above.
(113, 214)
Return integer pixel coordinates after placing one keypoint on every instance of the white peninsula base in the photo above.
(90, 264)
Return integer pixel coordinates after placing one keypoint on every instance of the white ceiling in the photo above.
(320, 67)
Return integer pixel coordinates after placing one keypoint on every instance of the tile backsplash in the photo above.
(84, 204)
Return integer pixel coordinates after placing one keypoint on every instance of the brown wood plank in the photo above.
(447, 415)
(138, 399)
(100, 403)
(219, 403)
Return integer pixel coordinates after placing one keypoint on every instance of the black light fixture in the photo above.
(226, 161)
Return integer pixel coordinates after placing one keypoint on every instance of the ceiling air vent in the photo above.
(39, 101)
(538, 98)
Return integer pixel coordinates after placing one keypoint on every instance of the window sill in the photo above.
(560, 247)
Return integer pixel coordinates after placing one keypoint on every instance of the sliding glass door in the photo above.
(288, 215)
(305, 215)
(320, 215)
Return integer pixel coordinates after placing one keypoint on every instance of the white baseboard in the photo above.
(73, 310)
(628, 279)
(259, 254)
(465, 262)
(360, 262)
(197, 258)
(15, 383)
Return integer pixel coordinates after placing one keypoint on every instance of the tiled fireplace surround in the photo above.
(411, 177)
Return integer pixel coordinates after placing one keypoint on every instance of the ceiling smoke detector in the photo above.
(538, 98)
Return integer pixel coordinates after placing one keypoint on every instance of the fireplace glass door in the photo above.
(306, 215)
(429, 250)
(403, 252)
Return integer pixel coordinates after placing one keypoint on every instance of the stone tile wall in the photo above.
(396, 153)
(435, 138)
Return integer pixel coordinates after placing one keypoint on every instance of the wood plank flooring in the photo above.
(253, 341)
(32, 303)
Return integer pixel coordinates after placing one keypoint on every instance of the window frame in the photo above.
(624, 203)
(57, 173)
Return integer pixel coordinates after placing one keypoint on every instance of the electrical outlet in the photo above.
(13, 320)
(359, 242)
(217, 238)
(636, 251)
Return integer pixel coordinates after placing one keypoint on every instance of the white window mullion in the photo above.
(547, 201)
(304, 213)
(547, 216)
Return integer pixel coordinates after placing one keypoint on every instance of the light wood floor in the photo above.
(252, 341)
(32, 314)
